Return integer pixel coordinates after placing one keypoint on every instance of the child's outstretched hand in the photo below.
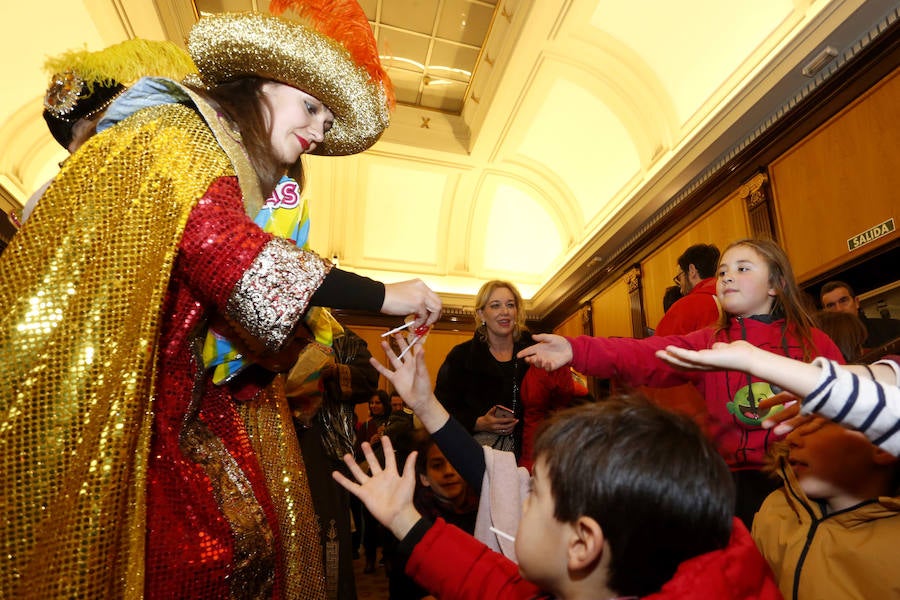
(734, 355)
(410, 375)
(787, 420)
(550, 353)
(386, 493)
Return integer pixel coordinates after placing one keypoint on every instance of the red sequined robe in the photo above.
(202, 454)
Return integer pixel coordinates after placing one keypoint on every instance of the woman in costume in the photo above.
(132, 465)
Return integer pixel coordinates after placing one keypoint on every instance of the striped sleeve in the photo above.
(858, 403)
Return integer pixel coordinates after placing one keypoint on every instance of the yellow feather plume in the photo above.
(124, 63)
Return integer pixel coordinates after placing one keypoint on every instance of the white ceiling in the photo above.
(582, 117)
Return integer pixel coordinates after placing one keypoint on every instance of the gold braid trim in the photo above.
(274, 440)
(81, 288)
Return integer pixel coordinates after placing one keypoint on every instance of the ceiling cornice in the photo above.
(865, 62)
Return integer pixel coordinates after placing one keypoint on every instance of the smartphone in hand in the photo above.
(502, 412)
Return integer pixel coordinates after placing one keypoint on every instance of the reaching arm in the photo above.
(845, 394)
(858, 402)
(411, 380)
(795, 376)
(550, 353)
(464, 453)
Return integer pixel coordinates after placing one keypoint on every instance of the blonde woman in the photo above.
(482, 377)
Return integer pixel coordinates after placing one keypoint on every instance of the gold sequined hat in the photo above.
(331, 54)
(84, 83)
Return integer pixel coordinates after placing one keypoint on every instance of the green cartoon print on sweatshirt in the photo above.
(745, 406)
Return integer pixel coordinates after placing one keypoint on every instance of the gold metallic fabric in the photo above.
(274, 440)
(81, 286)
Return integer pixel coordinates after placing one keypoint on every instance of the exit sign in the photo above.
(870, 235)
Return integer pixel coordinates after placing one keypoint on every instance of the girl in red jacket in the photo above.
(761, 304)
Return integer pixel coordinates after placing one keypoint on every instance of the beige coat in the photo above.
(852, 553)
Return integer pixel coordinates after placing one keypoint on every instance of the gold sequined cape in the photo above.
(82, 287)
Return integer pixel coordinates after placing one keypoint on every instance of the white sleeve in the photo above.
(894, 367)
(859, 403)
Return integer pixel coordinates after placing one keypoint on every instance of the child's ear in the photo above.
(586, 544)
(424, 481)
(772, 291)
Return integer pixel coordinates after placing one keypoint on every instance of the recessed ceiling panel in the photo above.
(464, 21)
(574, 134)
(402, 49)
(403, 213)
(520, 238)
(415, 15)
(697, 55)
(369, 7)
(406, 85)
(452, 61)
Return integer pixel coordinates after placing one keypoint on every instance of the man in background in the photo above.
(698, 307)
(838, 296)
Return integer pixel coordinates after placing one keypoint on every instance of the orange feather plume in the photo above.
(345, 22)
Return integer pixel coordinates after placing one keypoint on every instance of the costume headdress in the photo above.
(84, 83)
(331, 54)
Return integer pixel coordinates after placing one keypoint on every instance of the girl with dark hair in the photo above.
(441, 493)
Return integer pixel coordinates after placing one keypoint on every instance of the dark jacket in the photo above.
(471, 381)
(880, 331)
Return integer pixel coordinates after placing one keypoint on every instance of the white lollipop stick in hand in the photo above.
(396, 329)
(421, 332)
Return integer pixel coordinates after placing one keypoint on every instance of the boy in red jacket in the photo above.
(627, 500)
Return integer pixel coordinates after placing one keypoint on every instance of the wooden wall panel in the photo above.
(840, 181)
(611, 311)
(724, 224)
(572, 326)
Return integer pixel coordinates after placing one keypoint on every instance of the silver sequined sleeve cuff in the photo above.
(274, 292)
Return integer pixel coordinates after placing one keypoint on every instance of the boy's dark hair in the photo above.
(671, 296)
(651, 480)
(704, 257)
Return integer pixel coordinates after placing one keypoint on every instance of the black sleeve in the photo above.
(413, 537)
(450, 390)
(464, 453)
(343, 289)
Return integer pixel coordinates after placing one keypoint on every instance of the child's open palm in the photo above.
(386, 493)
